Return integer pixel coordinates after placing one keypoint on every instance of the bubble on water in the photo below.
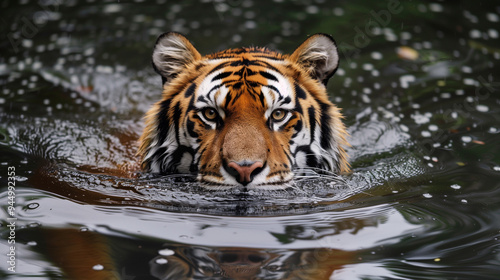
(161, 261)
(32, 206)
(367, 66)
(445, 95)
(466, 139)
(427, 195)
(405, 35)
(492, 17)
(425, 133)
(492, 33)
(455, 186)
(250, 24)
(338, 11)
(435, 7)
(496, 168)
(236, 38)
(112, 8)
(433, 127)
(312, 9)
(421, 118)
(405, 80)
(464, 201)
(166, 252)
(474, 33)
(365, 98)
(376, 55)
(104, 69)
(469, 81)
(466, 69)
(482, 108)
(404, 128)
(98, 267)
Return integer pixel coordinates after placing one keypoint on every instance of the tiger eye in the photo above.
(210, 114)
(278, 115)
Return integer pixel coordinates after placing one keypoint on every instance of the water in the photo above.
(418, 84)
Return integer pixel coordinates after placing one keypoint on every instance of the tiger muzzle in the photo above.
(244, 152)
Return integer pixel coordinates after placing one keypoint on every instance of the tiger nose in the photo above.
(244, 172)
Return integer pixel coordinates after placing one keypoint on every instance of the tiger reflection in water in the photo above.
(244, 263)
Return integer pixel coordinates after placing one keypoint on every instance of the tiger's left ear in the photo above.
(319, 56)
(172, 54)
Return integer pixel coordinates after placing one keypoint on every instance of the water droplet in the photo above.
(482, 108)
(376, 55)
(464, 201)
(475, 33)
(455, 186)
(166, 252)
(161, 261)
(435, 7)
(98, 267)
(32, 206)
(427, 195)
(496, 168)
(492, 17)
(466, 139)
(31, 243)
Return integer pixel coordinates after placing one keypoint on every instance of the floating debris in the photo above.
(407, 53)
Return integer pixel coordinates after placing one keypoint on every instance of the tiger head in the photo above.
(246, 117)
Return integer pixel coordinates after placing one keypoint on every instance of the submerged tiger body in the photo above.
(244, 117)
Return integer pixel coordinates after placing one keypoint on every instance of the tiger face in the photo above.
(245, 117)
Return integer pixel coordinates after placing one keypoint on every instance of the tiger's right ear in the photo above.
(171, 55)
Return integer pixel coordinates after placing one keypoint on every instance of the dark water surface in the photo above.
(419, 86)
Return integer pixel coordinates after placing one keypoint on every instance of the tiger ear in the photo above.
(171, 55)
(319, 56)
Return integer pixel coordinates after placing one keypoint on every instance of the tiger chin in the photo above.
(247, 117)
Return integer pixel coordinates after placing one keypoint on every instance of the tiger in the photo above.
(247, 117)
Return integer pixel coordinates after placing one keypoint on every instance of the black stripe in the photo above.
(276, 90)
(269, 57)
(298, 128)
(312, 121)
(214, 88)
(190, 128)
(311, 160)
(202, 98)
(190, 90)
(163, 120)
(268, 76)
(326, 132)
(220, 66)
(177, 119)
(300, 92)
(298, 107)
(222, 76)
(286, 100)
